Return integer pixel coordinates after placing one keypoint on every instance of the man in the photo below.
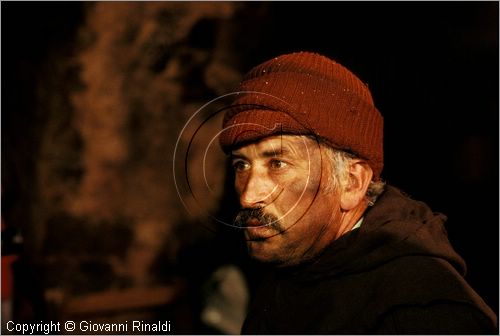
(350, 254)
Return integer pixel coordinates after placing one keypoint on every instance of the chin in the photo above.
(261, 251)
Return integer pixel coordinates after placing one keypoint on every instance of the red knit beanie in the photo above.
(306, 94)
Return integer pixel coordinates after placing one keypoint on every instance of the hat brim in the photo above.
(254, 125)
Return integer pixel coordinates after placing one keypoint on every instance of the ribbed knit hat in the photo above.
(306, 94)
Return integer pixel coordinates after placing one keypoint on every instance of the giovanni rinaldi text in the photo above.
(87, 326)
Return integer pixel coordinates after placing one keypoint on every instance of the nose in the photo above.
(256, 190)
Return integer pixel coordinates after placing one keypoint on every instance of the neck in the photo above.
(350, 218)
(347, 220)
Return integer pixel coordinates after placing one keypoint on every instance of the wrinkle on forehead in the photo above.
(281, 145)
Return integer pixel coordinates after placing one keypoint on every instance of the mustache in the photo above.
(265, 219)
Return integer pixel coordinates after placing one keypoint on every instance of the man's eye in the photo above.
(240, 165)
(277, 164)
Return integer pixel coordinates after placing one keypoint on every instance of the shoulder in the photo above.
(427, 293)
(438, 317)
(422, 279)
(427, 273)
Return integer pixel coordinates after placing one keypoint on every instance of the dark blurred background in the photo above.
(94, 95)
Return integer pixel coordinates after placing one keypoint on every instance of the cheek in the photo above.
(240, 182)
(238, 186)
(299, 193)
(306, 182)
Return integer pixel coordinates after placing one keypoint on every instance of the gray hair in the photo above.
(339, 179)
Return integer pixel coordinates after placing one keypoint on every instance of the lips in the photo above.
(254, 222)
(257, 225)
(256, 231)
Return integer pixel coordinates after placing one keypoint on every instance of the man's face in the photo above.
(287, 214)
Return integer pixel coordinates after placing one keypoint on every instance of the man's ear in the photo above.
(360, 175)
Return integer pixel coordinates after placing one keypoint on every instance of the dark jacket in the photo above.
(396, 274)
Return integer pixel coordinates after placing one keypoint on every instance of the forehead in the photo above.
(283, 145)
